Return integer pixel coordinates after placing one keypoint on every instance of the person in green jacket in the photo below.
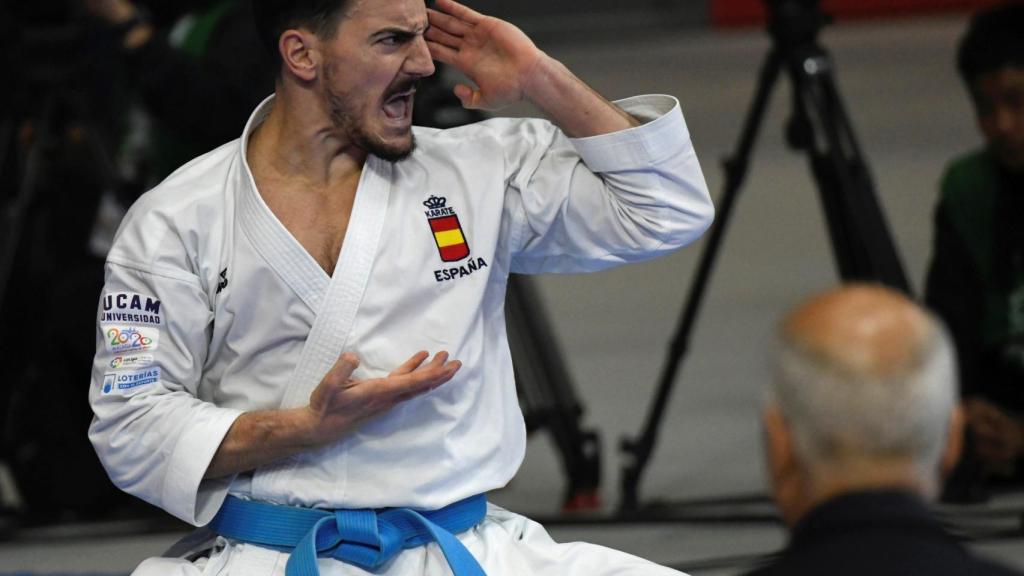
(976, 279)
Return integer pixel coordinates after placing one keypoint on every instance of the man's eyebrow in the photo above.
(400, 31)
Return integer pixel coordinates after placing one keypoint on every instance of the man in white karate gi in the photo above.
(310, 319)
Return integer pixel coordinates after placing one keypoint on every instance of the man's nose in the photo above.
(420, 62)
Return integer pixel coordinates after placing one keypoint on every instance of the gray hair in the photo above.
(835, 411)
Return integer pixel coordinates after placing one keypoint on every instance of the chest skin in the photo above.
(317, 218)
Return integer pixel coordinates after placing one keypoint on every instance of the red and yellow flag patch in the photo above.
(448, 235)
(449, 238)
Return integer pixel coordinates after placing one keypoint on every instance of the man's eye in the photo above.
(393, 39)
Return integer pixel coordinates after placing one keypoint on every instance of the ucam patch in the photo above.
(126, 339)
(131, 362)
(130, 308)
(123, 382)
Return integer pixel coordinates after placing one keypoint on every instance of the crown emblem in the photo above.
(434, 202)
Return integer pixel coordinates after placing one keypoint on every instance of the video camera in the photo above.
(795, 22)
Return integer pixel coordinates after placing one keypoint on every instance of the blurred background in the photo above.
(88, 125)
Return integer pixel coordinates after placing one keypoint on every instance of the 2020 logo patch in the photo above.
(123, 339)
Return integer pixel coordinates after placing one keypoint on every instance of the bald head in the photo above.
(864, 375)
(863, 329)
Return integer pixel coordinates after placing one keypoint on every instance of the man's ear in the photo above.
(954, 441)
(785, 474)
(778, 444)
(300, 53)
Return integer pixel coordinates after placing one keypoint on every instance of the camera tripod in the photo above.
(547, 396)
(861, 243)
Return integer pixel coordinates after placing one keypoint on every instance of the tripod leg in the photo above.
(13, 216)
(637, 452)
(547, 396)
(861, 242)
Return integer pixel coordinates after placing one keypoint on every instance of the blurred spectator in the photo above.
(198, 81)
(57, 128)
(861, 422)
(78, 148)
(976, 279)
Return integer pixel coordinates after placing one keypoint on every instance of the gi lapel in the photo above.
(334, 320)
(281, 250)
(270, 238)
(335, 300)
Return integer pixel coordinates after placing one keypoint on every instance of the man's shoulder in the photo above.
(878, 562)
(169, 224)
(197, 179)
(201, 181)
(969, 176)
(886, 534)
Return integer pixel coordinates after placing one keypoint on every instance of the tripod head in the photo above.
(795, 23)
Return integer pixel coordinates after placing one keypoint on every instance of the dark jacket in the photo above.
(876, 533)
(976, 278)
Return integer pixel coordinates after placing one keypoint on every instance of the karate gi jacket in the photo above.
(212, 308)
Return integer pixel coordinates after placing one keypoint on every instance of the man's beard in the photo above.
(345, 117)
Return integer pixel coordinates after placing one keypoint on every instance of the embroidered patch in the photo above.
(131, 362)
(444, 223)
(121, 339)
(130, 308)
(454, 272)
(125, 381)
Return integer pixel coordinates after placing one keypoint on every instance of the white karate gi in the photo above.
(211, 308)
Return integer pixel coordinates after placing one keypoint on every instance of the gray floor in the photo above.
(911, 114)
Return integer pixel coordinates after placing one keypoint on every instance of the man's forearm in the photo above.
(337, 406)
(260, 438)
(571, 104)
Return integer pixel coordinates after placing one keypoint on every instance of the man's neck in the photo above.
(837, 479)
(298, 144)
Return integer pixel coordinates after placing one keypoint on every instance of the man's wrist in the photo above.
(570, 103)
(539, 78)
(301, 428)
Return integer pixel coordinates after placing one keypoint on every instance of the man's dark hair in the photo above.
(994, 40)
(273, 17)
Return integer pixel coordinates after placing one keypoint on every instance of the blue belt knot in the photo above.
(366, 538)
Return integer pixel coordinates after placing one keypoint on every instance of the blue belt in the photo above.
(366, 538)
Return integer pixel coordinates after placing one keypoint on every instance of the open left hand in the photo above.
(495, 55)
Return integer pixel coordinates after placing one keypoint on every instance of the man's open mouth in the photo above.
(399, 105)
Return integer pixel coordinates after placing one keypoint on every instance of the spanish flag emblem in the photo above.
(444, 223)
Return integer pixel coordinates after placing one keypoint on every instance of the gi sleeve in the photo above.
(153, 435)
(579, 205)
